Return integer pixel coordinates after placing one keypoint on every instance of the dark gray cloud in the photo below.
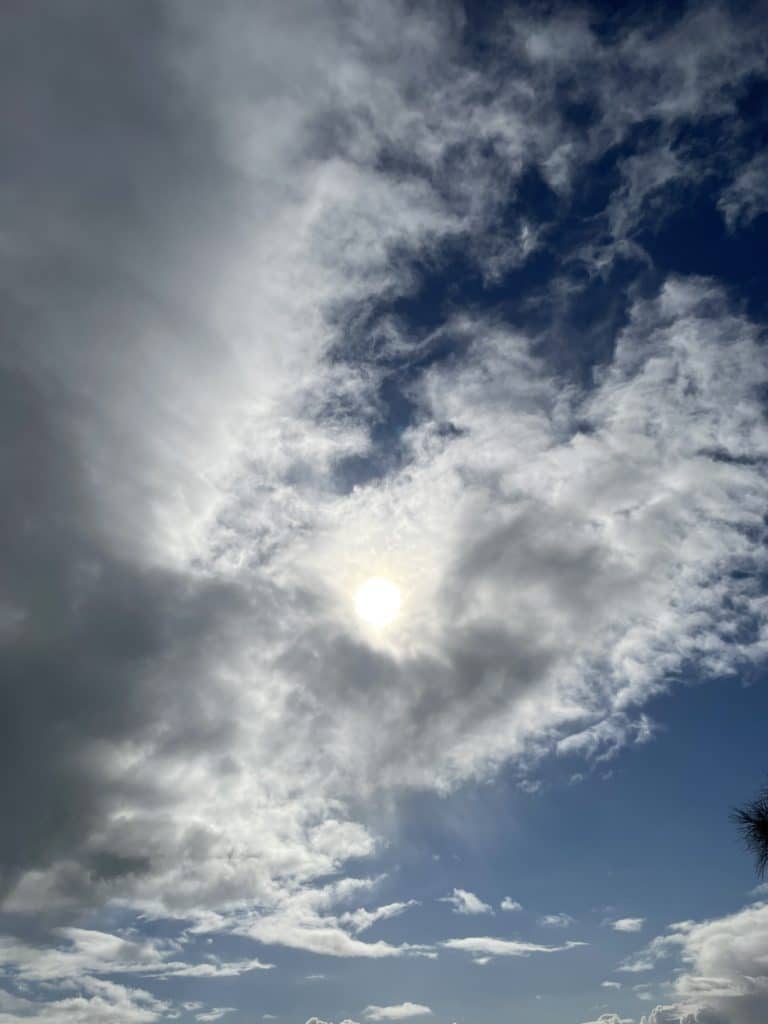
(85, 638)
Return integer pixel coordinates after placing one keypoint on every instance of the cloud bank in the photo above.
(222, 422)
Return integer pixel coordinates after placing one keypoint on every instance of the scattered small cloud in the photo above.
(464, 902)
(643, 992)
(557, 921)
(610, 1018)
(637, 965)
(510, 904)
(628, 924)
(400, 1011)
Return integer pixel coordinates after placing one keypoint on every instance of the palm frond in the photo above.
(752, 822)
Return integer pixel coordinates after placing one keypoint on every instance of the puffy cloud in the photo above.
(722, 978)
(464, 902)
(509, 904)
(628, 924)
(400, 1011)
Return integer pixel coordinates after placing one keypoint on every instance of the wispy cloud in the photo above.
(505, 947)
(556, 920)
(464, 902)
(360, 920)
(400, 1011)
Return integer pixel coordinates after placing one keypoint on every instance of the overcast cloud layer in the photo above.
(228, 400)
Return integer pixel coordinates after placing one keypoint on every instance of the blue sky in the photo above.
(383, 622)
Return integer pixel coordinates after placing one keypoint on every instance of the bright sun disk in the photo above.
(377, 601)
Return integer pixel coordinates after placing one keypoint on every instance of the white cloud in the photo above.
(610, 1018)
(505, 947)
(509, 904)
(86, 952)
(253, 504)
(610, 984)
(747, 195)
(637, 965)
(400, 1011)
(628, 924)
(723, 977)
(216, 1013)
(198, 443)
(672, 1015)
(464, 902)
(99, 1002)
(360, 920)
(556, 920)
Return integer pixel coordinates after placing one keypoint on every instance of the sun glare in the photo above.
(377, 602)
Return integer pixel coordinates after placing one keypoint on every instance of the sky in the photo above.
(383, 610)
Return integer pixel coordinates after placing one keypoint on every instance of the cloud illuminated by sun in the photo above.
(378, 602)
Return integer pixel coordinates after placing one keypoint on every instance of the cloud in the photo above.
(722, 975)
(360, 920)
(671, 1015)
(509, 904)
(721, 978)
(201, 534)
(610, 984)
(98, 1002)
(747, 195)
(610, 1018)
(505, 947)
(636, 965)
(628, 924)
(215, 1014)
(84, 953)
(464, 902)
(201, 467)
(303, 919)
(556, 921)
(400, 1011)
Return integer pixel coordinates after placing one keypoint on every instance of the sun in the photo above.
(378, 602)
